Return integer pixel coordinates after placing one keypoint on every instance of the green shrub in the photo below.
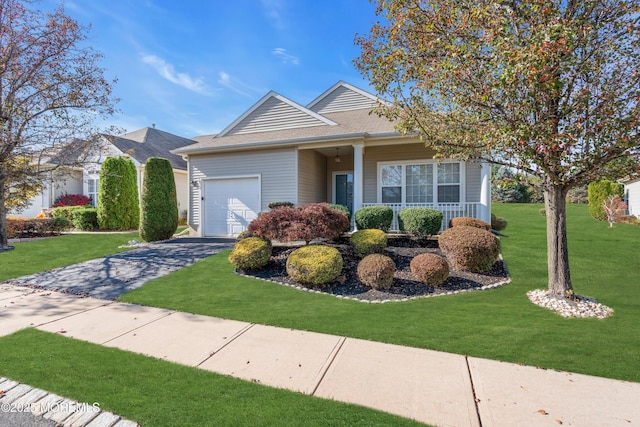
(498, 223)
(343, 209)
(379, 217)
(85, 219)
(598, 191)
(470, 248)
(467, 221)
(274, 205)
(66, 212)
(368, 241)
(250, 253)
(316, 265)
(430, 269)
(376, 271)
(420, 222)
(118, 205)
(158, 204)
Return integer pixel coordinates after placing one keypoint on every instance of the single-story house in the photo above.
(331, 150)
(138, 145)
(632, 196)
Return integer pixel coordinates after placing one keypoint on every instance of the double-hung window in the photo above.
(420, 182)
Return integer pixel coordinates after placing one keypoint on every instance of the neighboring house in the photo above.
(632, 196)
(139, 146)
(332, 150)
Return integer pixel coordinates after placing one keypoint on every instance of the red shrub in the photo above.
(467, 221)
(308, 222)
(71, 200)
(430, 269)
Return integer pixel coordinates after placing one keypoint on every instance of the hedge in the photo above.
(158, 204)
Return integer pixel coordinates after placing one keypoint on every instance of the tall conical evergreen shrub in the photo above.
(118, 205)
(159, 205)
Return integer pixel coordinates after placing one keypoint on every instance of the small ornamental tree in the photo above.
(118, 206)
(158, 203)
(71, 200)
(597, 194)
(546, 87)
(613, 207)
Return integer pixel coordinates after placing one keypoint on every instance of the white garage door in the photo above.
(230, 204)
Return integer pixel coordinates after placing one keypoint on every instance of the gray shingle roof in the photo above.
(150, 142)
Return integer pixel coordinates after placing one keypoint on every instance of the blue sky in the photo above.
(191, 67)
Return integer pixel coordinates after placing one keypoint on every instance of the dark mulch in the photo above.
(401, 250)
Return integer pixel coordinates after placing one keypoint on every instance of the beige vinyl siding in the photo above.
(275, 115)
(399, 152)
(277, 169)
(473, 182)
(343, 99)
(312, 171)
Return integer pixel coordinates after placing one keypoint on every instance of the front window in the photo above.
(92, 191)
(391, 183)
(425, 182)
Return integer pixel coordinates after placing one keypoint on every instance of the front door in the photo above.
(343, 189)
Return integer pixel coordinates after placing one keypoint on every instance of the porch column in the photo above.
(358, 177)
(485, 192)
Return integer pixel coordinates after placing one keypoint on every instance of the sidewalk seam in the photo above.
(473, 390)
(335, 354)
(138, 327)
(71, 315)
(233, 338)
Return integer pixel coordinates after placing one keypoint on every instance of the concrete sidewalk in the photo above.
(432, 387)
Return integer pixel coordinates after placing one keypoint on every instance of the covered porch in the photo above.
(395, 174)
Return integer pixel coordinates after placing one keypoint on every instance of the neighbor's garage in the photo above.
(230, 204)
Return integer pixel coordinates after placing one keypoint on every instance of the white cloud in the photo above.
(285, 57)
(168, 72)
(234, 84)
(274, 10)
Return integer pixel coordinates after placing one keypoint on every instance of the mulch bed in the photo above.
(401, 250)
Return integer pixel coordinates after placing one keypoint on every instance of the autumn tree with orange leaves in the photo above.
(52, 89)
(548, 87)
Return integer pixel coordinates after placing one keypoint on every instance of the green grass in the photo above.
(159, 393)
(499, 324)
(40, 255)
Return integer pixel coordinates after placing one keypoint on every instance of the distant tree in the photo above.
(51, 91)
(613, 207)
(118, 204)
(547, 87)
(158, 203)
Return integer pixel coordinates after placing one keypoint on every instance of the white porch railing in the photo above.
(449, 210)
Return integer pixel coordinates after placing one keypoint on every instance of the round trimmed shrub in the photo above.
(250, 253)
(498, 223)
(430, 269)
(376, 271)
(470, 248)
(421, 222)
(315, 265)
(379, 217)
(467, 221)
(368, 241)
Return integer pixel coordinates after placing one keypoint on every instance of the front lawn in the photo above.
(499, 324)
(61, 251)
(159, 393)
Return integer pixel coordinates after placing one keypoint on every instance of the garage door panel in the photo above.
(230, 205)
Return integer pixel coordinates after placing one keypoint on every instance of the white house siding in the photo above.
(277, 169)
(632, 196)
(343, 99)
(386, 153)
(312, 172)
(182, 190)
(67, 182)
(275, 114)
(473, 182)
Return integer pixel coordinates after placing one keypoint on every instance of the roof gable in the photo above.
(342, 97)
(275, 112)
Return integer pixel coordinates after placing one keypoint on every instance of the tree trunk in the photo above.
(557, 251)
(4, 243)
